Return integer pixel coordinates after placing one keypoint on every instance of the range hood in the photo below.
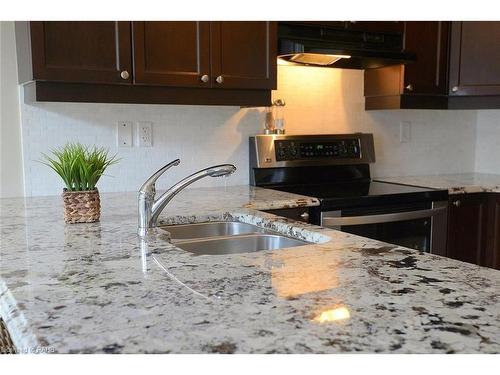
(319, 45)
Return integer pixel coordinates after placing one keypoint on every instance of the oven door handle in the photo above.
(383, 218)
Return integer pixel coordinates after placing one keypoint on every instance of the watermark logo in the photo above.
(37, 350)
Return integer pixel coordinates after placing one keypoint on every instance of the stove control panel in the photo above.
(306, 150)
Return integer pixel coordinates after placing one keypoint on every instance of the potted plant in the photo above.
(80, 167)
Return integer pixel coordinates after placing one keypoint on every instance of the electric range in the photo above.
(335, 169)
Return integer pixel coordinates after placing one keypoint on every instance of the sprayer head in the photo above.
(221, 170)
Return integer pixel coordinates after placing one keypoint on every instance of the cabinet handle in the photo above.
(304, 216)
(457, 203)
(219, 79)
(124, 74)
(454, 88)
(409, 87)
(204, 78)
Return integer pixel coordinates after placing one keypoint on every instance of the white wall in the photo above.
(488, 142)
(11, 166)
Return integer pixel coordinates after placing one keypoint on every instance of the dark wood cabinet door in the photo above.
(172, 53)
(467, 228)
(421, 84)
(491, 258)
(83, 52)
(429, 40)
(475, 58)
(244, 55)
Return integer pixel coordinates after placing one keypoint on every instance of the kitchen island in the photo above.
(97, 288)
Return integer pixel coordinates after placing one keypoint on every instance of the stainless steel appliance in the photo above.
(335, 169)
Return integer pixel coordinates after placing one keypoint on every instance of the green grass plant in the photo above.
(79, 166)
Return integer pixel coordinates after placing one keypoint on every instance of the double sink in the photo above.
(218, 238)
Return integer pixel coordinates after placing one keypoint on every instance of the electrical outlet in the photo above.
(124, 134)
(145, 134)
(405, 131)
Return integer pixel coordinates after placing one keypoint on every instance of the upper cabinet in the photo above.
(91, 52)
(222, 55)
(429, 40)
(223, 63)
(475, 58)
(172, 53)
(457, 67)
(411, 85)
(244, 54)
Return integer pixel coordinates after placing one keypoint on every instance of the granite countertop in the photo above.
(93, 288)
(455, 183)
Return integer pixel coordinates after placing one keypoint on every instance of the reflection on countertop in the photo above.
(333, 315)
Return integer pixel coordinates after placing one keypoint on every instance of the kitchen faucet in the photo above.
(150, 209)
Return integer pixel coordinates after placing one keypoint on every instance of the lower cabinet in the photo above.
(474, 229)
(491, 257)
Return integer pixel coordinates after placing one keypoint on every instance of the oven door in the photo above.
(420, 226)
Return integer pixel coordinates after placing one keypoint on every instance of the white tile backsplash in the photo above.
(318, 101)
(488, 142)
(199, 136)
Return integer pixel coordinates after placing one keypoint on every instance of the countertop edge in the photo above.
(15, 321)
(455, 184)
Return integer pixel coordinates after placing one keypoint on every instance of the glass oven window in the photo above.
(415, 234)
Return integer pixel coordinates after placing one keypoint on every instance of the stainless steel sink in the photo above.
(231, 237)
(211, 229)
(246, 243)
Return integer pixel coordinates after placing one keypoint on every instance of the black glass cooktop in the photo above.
(352, 189)
(359, 192)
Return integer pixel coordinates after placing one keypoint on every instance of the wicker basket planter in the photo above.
(81, 206)
(6, 345)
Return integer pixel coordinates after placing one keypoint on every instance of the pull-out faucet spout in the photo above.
(150, 209)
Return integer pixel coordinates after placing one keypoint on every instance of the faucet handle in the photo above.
(149, 186)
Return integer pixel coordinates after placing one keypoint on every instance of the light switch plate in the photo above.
(405, 131)
(124, 134)
(145, 134)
